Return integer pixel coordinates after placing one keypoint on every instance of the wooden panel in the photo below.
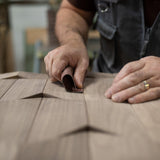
(58, 90)
(29, 75)
(25, 88)
(121, 135)
(131, 147)
(65, 126)
(96, 87)
(16, 118)
(5, 85)
(99, 75)
(72, 147)
(149, 114)
(24, 75)
(10, 75)
(8, 150)
(57, 117)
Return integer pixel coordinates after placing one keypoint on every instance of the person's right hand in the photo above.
(73, 55)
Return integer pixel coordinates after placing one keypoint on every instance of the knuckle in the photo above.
(83, 69)
(140, 87)
(55, 72)
(129, 67)
(135, 76)
(49, 53)
(85, 63)
(45, 59)
(132, 80)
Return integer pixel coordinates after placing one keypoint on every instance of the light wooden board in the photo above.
(149, 114)
(54, 124)
(120, 135)
(57, 117)
(10, 75)
(71, 147)
(16, 118)
(58, 90)
(24, 88)
(131, 147)
(99, 75)
(27, 75)
(5, 85)
(95, 87)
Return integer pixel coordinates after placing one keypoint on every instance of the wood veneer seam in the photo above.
(8, 88)
(36, 113)
(88, 133)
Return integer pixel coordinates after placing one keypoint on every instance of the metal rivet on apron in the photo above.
(103, 8)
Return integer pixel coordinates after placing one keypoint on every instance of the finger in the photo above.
(129, 68)
(130, 92)
(46, 63)
(80, 72)
(151, 94)
(50, 62)
(57, 68)
(53, 79)
(127, 82)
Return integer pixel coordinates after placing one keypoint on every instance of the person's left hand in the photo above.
(137, 82)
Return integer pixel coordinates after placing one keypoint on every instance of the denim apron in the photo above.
(124, 37)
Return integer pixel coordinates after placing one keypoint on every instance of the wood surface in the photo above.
(5, 85)
(25, 88)
(148, 114)
(40, 120)
(16, 119)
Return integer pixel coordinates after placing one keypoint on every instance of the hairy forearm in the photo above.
(71, 27)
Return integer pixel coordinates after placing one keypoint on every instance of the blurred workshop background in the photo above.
(27, 34)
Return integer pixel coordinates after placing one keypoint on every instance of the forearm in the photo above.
(72, 27)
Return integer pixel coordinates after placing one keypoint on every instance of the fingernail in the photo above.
(131, 100)
(115, 98)
(108, 94)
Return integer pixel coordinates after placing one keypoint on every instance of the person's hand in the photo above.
(73, 55)
(137, 82)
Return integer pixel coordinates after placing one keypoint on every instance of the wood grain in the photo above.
(131, 147)
(121, 135)
(5, 85)
(58, 90)
(57, 117)
(100, 75)
(72, 147)
(24, 75)
(16, 118)
(149, 114)
(54, 124)
(24, 88)
(11, 75)
(29, 75)
(96, 87)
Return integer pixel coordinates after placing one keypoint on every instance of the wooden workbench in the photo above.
(39, 120)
